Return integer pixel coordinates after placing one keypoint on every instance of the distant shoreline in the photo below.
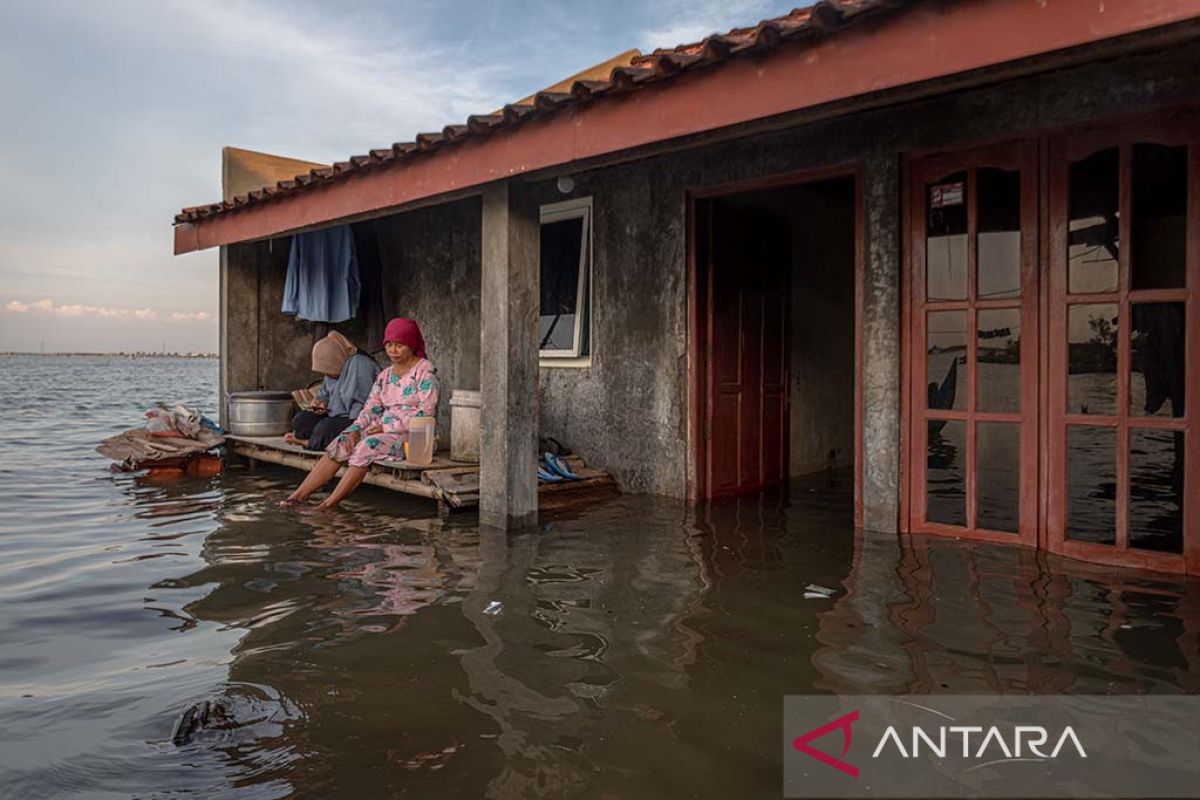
(112, 355)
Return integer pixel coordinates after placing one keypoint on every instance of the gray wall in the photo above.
(628, 412)
(431, 273)
(822, 328)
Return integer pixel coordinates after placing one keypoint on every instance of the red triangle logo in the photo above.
(842, 723)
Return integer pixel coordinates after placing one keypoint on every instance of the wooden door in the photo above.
(973, 346)
(749, 275)
(1124, 369)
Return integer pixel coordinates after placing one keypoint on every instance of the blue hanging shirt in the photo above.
(322, 282)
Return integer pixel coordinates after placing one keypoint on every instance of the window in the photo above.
(564, 318)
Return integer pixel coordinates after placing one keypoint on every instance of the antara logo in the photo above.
(842, 723)
(1031, 736)
(988, 742)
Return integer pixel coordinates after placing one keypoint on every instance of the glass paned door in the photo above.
(1122, 359)
(973, 349)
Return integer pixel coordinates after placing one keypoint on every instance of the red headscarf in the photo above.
(405, 331)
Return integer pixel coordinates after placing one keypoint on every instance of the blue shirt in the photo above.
(345, 394)
(322, 281)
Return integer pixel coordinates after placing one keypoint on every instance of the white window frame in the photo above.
(578, 208)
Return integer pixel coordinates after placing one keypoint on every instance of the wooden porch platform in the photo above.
(453, 484)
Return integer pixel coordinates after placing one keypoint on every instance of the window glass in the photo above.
(998, 359)
(998, 476)
(946, 238)
(1157, 345)
(1092, 230)
(1159, 217)
(1091, 484)
(1156, 490)
(999, 238)
(563, 287)
(945, 480)
(946, 349)
(1092, 359)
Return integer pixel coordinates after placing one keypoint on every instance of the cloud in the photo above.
(46, 306)
(685, 22)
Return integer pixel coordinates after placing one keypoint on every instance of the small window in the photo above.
(564, 319)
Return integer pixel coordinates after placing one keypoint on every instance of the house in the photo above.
(950, 246)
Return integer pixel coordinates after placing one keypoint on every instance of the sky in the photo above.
(116, 113)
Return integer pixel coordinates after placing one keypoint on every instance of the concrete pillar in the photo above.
(508, 358)
(881, 342)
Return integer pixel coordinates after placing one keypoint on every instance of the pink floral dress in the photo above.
(394, 400)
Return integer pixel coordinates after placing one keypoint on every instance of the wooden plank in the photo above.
(304, 461)
(455, 486)
(440, 461)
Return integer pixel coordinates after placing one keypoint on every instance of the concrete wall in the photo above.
(627, 412)
(431, 273)
(822, 327)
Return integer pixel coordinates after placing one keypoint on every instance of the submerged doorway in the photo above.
(774, 330)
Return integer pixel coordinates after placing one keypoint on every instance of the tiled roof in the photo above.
(823, 19)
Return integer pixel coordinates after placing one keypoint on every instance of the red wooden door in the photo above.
(1124, 367)
(973, 347)
(749, 276)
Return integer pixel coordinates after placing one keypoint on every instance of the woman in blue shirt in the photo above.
(349, 376)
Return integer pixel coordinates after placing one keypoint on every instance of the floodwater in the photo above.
(637, 649)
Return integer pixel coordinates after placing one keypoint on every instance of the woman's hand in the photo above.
(374, 429)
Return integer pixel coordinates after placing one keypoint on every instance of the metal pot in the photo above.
(260, 413)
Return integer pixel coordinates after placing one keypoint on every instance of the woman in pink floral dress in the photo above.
(406, 389)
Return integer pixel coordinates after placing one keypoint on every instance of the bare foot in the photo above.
(290, 438)
(291, 501)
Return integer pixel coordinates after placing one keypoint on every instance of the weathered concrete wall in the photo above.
(627, 411)
(431, 273)
(881, 342)
(822, 327)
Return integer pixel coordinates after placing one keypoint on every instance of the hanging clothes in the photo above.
(322, 282)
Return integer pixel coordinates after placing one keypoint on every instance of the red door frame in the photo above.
(1164, 125)
(1021, 155)
(1168, 128)
(697, 488)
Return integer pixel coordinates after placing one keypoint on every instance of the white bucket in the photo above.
(464, 425)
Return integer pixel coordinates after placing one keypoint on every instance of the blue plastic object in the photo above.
(548, 477)
(557, 466)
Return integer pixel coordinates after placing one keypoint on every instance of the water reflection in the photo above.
(600, 656)
(638, 648)
(931, 615)
(945, 477)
